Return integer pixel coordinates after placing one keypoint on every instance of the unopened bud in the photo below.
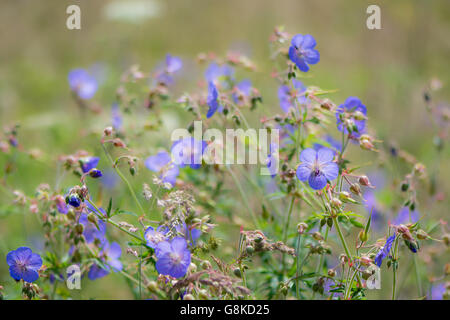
(355, 189)
(363, 236)
(364, 181)
(206, 265)
(79, 228)
(365, 261)
(301, 227)
(237, 272)
(331, 272)
(188, 297)
(108, 131)
(358, 115)
(316, 235)
(95, 173)
(422, 235)
(152, 286)
(446, 239)
(336, 202)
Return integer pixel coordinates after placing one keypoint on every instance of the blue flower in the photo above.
(286, 98)
(317, 167)
(74, 200)
(302, 51)
(188, 151)
(162, 162)
(110, 255)
(437, 291)
(405, 216)
(24, 264)
(242, 89)
(61, 205)
(90, 230)
(190, 234)
(214, 72)
(154, 237)
(212, 100)
(116, 117)
(95, 173)
(173, 64)
(174, 257)
(384, 251)
(82, 83)
(88, 163)
(347, 111)
(273, 159)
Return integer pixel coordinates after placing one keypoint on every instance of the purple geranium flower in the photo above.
(24, 264)
(110, 255)
(82, 83)
(74, 200)
(243, 88)
(214, 72)
(162, 162)
(173, 64)
(190, 234)
(273, 159)
(174, 257)
(302, 51)
(116, 117)
(384, 251)
(154, 237)
(188, 151)
(61, 205)
(347, 110)
(88, 163)
(405, 216)
(212, 99)
(285, 95)
(317, 167)
(437, 291)
(90, 230)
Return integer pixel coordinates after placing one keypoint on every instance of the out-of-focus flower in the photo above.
(174, 257)
(405, 215)
(154, 237)
(242, 90)
(437, 291)
(384, 251)
(190, 234)
(317, 167)
(286, 96)
(116, 117)
(165, 73)
(219, 74)
(273, 159)
(74, 200)
(173, 64)
(88, 163)
(162, 162)
(24, 264)
(61, 204)
(350, 117)
(82, 83)
(110, 255)
(188, 151)
(90, 230)
(212, 99)
(302, 51)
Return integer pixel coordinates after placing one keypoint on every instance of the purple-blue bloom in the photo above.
(384, 251)
(74, 200)
(88, 163)
(214, 72)
(437, 291)
(173, 64)
(174, 257)
(190, 234)
(317, 167)
(24, 264)
(212, 99)
(110, 255)
(302, 51)
(346, 110)
(405, 216)
(285, 95)
(162, 162)
(82, 83)
(273, 159)
(243, 88)
(154, 237)
(188, 151)
(116, 117)
(90, 230)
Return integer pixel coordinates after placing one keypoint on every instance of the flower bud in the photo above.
(188, 297)
(301, 227)
(192, 268)
(331, 272)
(74, 200)
(336, 202)
(345, 197)
(343, 259)
(316, 235)
(108, 131)
(95, 173)
(206, 265)
(365, 261)
(364, 181)
(152, 286)
(446, 239)
(358, 115)
(79, 228)
(237, 272)
(422, 235)
(355, 189)
(249, 249)
(363, 236)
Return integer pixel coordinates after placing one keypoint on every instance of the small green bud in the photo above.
(237, 272)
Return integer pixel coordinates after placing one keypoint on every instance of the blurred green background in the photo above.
(388, 69)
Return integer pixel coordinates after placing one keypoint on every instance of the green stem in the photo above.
(394, 269)
(299, 244)
(419, 283)
(124, 179)
(285, 231)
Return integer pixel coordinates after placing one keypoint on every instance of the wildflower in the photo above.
(384, 251)
(162, 162)
(165, 73)
(189, 233)
(74, 200)
(110, 255)
(188, 151)
(437, 291)
(82, 83)
(91, 231)
(347, 122)
(154, 237)
(174, 257)
(95, 173)
(317, 167)
(273, 159)
(88, 163)
(212, 100)
(173, 64)
(116, 117)
(242, 90)
(61, 204)
(302, 51)
(24, 264)
(214, 72)
(405, 215)
(285, 95)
